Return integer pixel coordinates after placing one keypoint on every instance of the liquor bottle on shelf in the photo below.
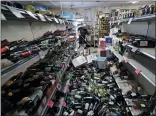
(54, 110)
(144, 42)
(13, 80)
(27, 104)
(11, 46)
(4, 43)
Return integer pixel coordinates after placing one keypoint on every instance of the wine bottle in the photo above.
(12, 80)
(12, 46)
(26, 105)
(33, 97)
(54, 110)
(17, 94)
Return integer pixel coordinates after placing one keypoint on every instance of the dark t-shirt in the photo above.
(83, 33)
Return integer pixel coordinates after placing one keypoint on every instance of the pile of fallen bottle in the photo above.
(93, 93)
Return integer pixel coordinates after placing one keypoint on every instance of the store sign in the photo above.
(67, 16)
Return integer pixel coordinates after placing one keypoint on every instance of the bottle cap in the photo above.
(10, 94)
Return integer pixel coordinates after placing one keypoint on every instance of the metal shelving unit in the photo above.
(150, 52)
(18, 67)
(136, 19)
(146, 78)
(12, 13)
(44, 108)
(63, 98)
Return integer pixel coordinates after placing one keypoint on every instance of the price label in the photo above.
(143, 43)
(16, 13)
(130, 20)
(56, 20)
(2, 16)
(32, 15)
(41, 17)
(137, 71)
(64, 104)
(134, 49)
(48, 18)
(50, 103)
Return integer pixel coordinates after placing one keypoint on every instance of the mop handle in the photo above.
(85, 40)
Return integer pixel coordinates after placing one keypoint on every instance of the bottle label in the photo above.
(142, 105)
(27, 84)
(86, 106)
(78, 96)
(133, 94)
(143, 43)
(79, 111)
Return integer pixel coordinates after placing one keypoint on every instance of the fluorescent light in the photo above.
(134, 2)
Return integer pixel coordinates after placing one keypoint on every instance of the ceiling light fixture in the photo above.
(134, 2)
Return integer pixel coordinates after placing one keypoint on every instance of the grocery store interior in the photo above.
(78, 58)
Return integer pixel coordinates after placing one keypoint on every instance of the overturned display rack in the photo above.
(11, 13)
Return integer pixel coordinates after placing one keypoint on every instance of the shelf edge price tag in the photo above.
(41, 17)
(50, 103)
(64, 104)
(32, 15)
(130, 20)
(56, 20)
(137, 71)
(16, 12)
(134, 49)
(48, 18)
